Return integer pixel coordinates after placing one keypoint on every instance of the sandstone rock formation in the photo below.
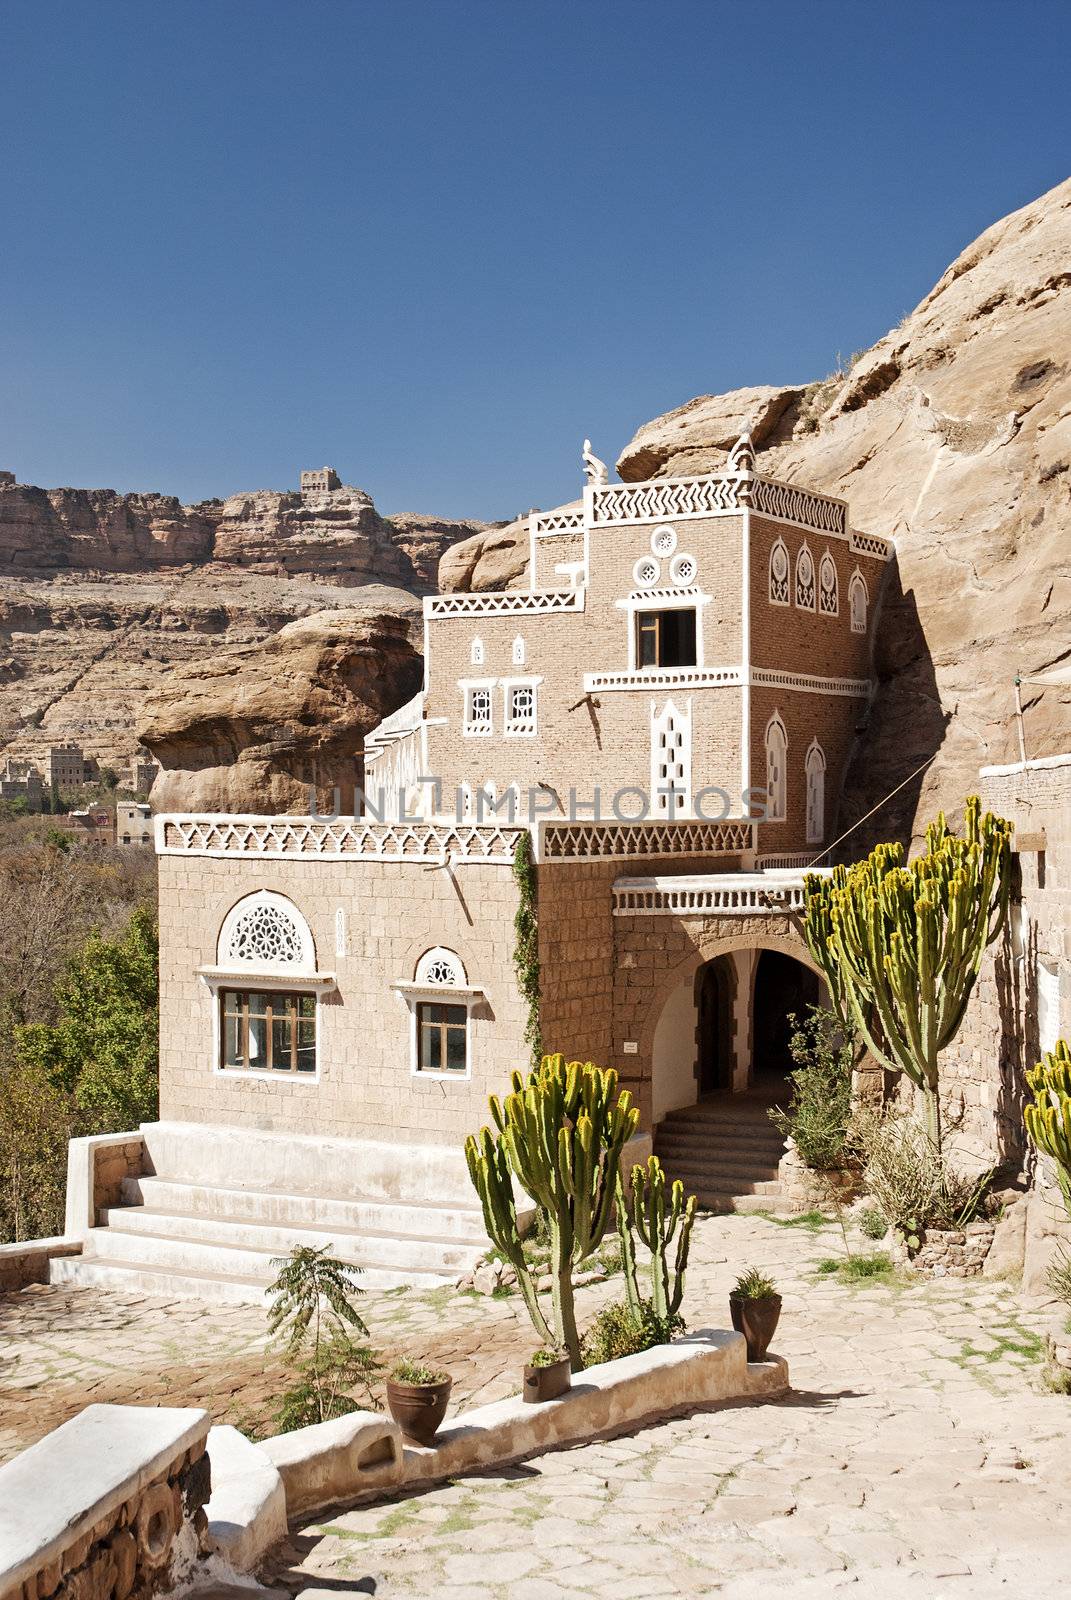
(101, 593)
(251, 729)
(497, 559)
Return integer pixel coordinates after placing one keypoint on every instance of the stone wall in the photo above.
(108, 1506)
(27, 1262)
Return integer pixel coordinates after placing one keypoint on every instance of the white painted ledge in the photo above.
(247, 1511)
(352, 1457)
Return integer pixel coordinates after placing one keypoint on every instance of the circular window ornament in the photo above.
(683, 569)
(664, 540)
(779, 562)
(646, 572)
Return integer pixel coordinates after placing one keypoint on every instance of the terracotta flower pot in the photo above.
(757, 1321)
(547, 1383)
(418, 1408)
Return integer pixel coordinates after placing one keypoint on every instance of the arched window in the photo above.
(476, 653)
(268, 932)
(518, 651)
(858, 600)
(805, 579)
(776, 758)
(267, 990)
(440, 1001)
(828, 600)
(815, 766)
(779, 566)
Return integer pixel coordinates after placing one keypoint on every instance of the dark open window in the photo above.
(442, 1038)
(665, 638)
(262, 1031)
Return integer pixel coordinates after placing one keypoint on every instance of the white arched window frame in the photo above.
(815, 767)
(776, 740)
(476, 653)
(441, 1001)
(828, 597)
(858, 601)
(266, 990)
(779, 574)
(805, 578)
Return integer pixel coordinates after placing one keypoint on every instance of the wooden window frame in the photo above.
(651, 621)
(282, 1004)
(443, 1029)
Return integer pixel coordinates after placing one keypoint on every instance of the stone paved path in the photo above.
(918, 1454)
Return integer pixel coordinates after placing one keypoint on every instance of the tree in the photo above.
(312, 1313)
(36, 1121)
(104, 1049)
(901, 946)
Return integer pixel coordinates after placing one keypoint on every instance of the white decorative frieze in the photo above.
(499, 603)
(786, 502)
(724, 895)
(548, 522)
(663, 678)
(867, 544)
(664, 499)
(568, 841)
(768, 678)
(342, 839)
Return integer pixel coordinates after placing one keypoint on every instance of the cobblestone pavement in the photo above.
(918, 1454)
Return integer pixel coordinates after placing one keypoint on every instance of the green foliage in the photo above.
(310, 1317)
(103, 1051)
(621, 1329)
(872, 1223)
(36, 1121)
(1058, 1277)
(754, 1284)
(545, 1358)
(414, 1372)
(642, 1214)
(526, 946)
(821, 1100)
(560, 1133)
(857, 1268)
(915, 1187)
(1048, 1115)
(901, 945)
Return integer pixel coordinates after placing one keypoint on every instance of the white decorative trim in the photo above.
(504, 603)
(663, 678)
(477, 653)
(646, 572)
(596, 841)
(439, 978)
(440, 967)
(856, 583)
(868, 544)
(791, 861)
(769, 678)
(663, 599)
(730, 894)
(775, 742)
(270, 838)
(683, 569)
(778, 587)
(787, 502)
(517, 651)
(256, 978)
(664, 499)
(267, 934)
(520, 727)
(544, 524)
(828, 587)
(341, 941)
(814, 767)
(805, 581)
(664, 540)
(473, 727)
(671, 758)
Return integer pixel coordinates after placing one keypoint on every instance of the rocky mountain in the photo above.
(102, 595)
(952, 435)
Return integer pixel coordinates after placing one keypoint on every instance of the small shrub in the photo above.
(618, 1330)
(1059, 1277)
(325, 1381)
(754, 1284)
(821, 1099)
(856, 1268)
(914, 1185)
(312, 1312)
(872, 1223)
(545, 1358)
(414, 1372)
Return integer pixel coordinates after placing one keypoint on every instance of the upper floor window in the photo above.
(666, 638)
(776, 758)
(479, 711)
(857, 601)
(476, 653)
(520, 709)
(815, 765)
(441, 1015)
(828, 601)
(267, 1031)
(805, 579)
(779, 565)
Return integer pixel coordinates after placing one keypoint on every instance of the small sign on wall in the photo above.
(630, 1048)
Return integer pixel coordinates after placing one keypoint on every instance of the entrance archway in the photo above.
(714, 986)
(783, 988)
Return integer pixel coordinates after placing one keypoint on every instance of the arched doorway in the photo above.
(783, 988)
(714, 985)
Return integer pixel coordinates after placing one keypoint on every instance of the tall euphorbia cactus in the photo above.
(1048, 1115)
(643, 1213)
(901, 945)
(561, 1132)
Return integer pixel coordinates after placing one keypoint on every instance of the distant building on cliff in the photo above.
(133, 823)
(141, 773)
(21, 781)
(65, 767)
(321, 480)
(6, 480)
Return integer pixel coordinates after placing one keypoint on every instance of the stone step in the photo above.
(732, 1172)
(720, 1115)
(141, 1277)
(712, 1180)
(425, 1220)
(725, 1204)
(725, 1143)
(176, 1253)
(365, 1247)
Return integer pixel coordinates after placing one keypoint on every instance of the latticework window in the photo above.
(827, 586)
(779, 566)
(857, 602)
(520, 708)
(266, 936)
(816, 793)
(776, 758)
(479, 715)
(267, 1032)
(805, 579)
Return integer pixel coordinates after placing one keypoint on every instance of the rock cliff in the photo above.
(952, 435)
(102, 595)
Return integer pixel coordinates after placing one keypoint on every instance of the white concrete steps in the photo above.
(145, 1277)
(726, 1151)
(325, 1213)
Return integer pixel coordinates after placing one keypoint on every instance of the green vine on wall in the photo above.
(526, 947)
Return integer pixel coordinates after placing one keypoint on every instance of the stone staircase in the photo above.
(187, 1228)
(725, 1150)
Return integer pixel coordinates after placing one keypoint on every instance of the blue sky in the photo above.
(435, 244)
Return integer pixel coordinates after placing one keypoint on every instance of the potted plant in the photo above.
(755, 1307)
(418, 1397)
(547, 1374)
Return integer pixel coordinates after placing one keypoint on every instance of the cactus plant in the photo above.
(643, 1213)
(1048, 1115)
(560, 1132)
(901, 945)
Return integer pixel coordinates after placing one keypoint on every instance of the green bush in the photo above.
(311, 1313)
(546, 1358)
(413, 1372)
(820, 1103)
(618, 1330)
(872, 1223)
(915, 1186)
